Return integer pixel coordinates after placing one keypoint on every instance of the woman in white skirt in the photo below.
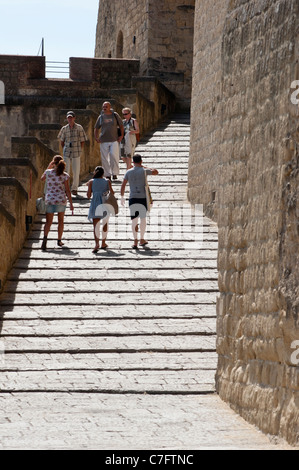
(129, 142)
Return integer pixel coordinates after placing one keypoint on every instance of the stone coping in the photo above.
(45, 126)
(11, 219)
(31, 140)
(18, 162)
(10, 181)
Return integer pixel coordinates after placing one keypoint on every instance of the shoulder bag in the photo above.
(110, 200)
(149, 199)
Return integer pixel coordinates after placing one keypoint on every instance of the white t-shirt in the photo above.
(136, 178)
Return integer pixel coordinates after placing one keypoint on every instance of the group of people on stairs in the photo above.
(118, 139)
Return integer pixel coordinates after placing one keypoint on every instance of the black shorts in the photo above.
(138, 208)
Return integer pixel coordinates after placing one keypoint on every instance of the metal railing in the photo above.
(56, 69)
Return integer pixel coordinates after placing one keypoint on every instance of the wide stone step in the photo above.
(159, 382)
(85, 228)
(110, 286)
(154, 248)
(104, 311)
(120, 234)
(37, 267)
(110, 361)
(100, 327)
(110, 298)
(102, 344)
(117, 274)
(115, 253)
(156, 155)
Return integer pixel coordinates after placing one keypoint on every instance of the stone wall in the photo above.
(170, 47)
(7, 233)
(106, 73)
(244, 168)
(206, 130)
(159, 34)
(12, 230)
(17, 70)
(20, 186)
(122, 30)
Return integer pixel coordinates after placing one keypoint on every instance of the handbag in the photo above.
(41, 205)
(149, 199)
(110, 200)
(40, 202)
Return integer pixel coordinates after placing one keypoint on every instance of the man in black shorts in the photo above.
(136, 177)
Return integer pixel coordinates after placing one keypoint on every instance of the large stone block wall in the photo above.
(106, 73)
(159, 34)
(16, 70)
(125, 22)
(206, 131)
(170, 49)
(245, 154)
(20, 186)
(7, 234)
(12, 229)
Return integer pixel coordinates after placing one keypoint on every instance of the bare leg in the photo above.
(49, 220)
(105, 231)
(142, 231)
(96, 223)
(60, 227)
(135, 230)
(128, 161)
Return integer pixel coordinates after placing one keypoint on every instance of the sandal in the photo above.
(59, 243)
(44, 244)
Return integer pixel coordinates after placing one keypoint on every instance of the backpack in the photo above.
(118, 128)
(137, 135)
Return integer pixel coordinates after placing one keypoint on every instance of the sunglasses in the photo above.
(126, 114)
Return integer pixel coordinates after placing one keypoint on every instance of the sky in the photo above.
(67, 26)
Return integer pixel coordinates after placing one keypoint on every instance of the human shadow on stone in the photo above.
(62, 251)
(108, 254)
(146, 251)
(82, 201)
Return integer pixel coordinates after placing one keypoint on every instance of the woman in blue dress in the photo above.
(97, 213)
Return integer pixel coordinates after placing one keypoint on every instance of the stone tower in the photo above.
(157, 32)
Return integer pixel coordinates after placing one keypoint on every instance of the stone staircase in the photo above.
(121, 321)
